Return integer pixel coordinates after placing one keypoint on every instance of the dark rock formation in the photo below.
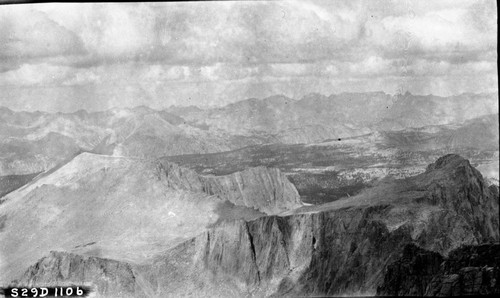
(469, 270)
(411, 274)
(332, 253)
(265, 189)
(106, 277)
(469, 208)
(13, 182)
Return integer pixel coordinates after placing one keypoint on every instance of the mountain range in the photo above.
(274, 197)
(33, 142)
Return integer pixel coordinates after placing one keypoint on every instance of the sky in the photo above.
(66, 57)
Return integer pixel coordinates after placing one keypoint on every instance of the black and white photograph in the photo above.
(294, 148)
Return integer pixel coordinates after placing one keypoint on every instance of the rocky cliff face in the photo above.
(331, 253)
(115, 207)
(468, 206)
(341, 248)
(106, 277)
(469, 270)
(265, 189)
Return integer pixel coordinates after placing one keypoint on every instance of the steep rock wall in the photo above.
(344, 251)
(265, 189)
(468, 207)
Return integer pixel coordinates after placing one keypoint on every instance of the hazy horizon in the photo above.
(241, 100)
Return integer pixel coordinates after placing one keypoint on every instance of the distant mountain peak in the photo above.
(360, 93)
(403, 95)
(313, 95)
(278, 97)
(453, 167)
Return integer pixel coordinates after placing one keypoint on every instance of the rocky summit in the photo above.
(355, 246)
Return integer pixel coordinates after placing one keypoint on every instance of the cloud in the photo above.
(262, 32)
(226, 51)
(35, 74)
(27, 33)
(457, 34)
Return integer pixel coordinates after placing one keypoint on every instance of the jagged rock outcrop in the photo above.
(411, 274)
(469, 270)
(343, 248)
(336, 252)
(106, 277)
(468, 206)
(330, 253)
(340, 248)
(265, 189)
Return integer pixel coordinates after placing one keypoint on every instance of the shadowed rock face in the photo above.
(265, 189)
(460, 190)
(332, 252)
(338, 249)
(469, 270)
(324, 253)
(13, 182)
(106, 277)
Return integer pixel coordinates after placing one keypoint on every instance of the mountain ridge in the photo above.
(339, 251)
(108, 201)
(5, 109)
(34, 142)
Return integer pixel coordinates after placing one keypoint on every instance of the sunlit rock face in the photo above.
(261, 188)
